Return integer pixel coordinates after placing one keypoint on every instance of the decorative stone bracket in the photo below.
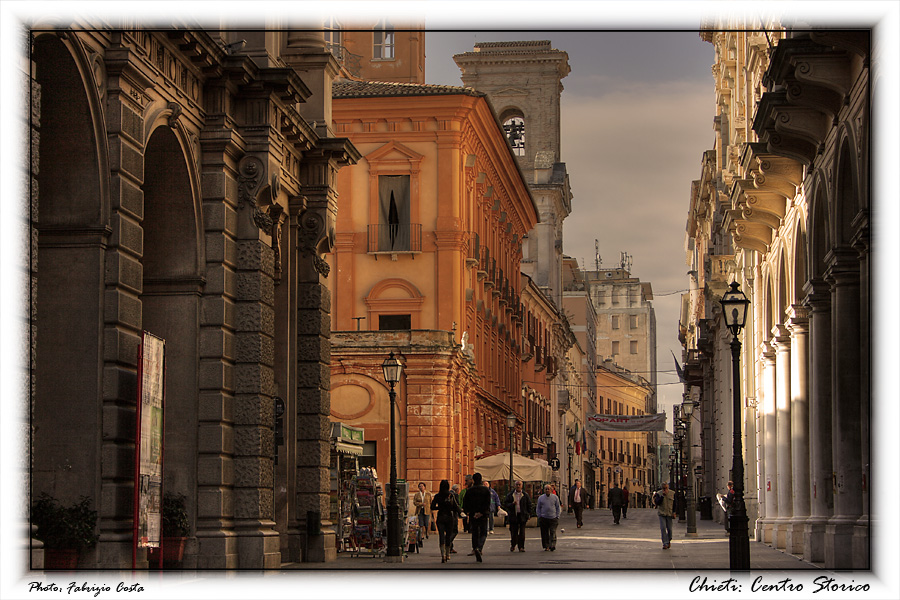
(759, 201)
(810, 83)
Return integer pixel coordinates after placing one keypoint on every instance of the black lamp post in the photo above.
(392, 368)
(511, 420)
(571, 451)
(734, 309)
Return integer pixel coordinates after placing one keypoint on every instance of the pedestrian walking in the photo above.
(616, 500)
(448, 512)
(422, 502)
(462, 496)
(664, 500)
(454, 489)
(548, 511)
(477, 505)
(495, 505)
(577, 500)
(625, 502)
(518, 506)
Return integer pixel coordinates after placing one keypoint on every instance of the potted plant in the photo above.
(175, 529)
(65, 530)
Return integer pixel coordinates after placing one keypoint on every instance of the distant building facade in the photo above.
(426, 264)
(782, 207)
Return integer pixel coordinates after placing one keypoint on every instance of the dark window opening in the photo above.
(394, 322)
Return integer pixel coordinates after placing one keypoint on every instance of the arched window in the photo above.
(514, 126)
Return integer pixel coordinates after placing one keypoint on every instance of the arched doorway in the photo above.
(71, 222)
(170, 302)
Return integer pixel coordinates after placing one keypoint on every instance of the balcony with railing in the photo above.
(395, 239)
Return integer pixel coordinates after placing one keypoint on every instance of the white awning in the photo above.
(348, 448)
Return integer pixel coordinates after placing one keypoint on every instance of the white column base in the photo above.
(814, 539)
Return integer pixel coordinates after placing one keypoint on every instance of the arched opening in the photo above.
(170, 299)
(847, 202)
(71, 237)
(513, 121)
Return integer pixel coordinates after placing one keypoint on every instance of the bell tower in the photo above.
(523, 81)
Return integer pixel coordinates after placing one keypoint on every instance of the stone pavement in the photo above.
(599, 544)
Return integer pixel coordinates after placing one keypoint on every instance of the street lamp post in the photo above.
(511, 423)
(734, 309)
(392, 368)
(687, 409)
(571, 451)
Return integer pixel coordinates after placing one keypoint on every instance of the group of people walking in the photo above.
(478, 504)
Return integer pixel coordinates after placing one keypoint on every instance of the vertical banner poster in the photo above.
(151, 388)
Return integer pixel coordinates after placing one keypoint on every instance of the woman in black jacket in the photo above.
(448, 512)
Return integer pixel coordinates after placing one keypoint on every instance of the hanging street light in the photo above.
(734, 310)
(392, 369)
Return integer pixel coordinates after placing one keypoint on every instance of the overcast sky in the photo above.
(637, 114)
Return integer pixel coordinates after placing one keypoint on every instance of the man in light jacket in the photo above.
(548, 511)
(664, 500)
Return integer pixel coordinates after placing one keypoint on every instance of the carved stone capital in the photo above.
(251, 181)
(315, 235)
(818, 296)
(798, 319)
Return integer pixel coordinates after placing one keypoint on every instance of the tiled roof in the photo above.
(346, 88)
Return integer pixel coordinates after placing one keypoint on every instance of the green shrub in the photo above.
(174, 516)
(64, 527)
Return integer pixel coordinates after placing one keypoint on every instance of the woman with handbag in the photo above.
(448, 512)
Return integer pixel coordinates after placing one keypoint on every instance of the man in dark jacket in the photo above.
(616, 500)
(477, 505)
(577, 500)
(518, 507)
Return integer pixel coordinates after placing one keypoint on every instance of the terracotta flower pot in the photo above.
(60, 558)
(173, 552)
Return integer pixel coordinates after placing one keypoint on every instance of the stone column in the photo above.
(770, 443)
(781, 342)
(254, 377)
(313, 219)
(818, 300)
(797, 324)
(861, 530)
(843, 275)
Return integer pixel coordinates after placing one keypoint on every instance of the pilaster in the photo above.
(798, 325)
(781, 343)
(843, 275)
(770, 442)
(818, 301)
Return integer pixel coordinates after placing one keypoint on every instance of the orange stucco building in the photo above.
(426, 264)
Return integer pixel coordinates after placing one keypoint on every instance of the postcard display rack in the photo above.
(368, 516)
(343, 471)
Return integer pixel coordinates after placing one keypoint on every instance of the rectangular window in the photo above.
(333, 37)
(615, 321)
(634, 321)
(394, 322)
(615, 348)
(634, 347)
(384, 41)
(393, 213)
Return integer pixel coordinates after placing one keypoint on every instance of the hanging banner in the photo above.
(655, 422)
(148, 483)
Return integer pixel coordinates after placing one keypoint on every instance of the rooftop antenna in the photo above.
(625, 262)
